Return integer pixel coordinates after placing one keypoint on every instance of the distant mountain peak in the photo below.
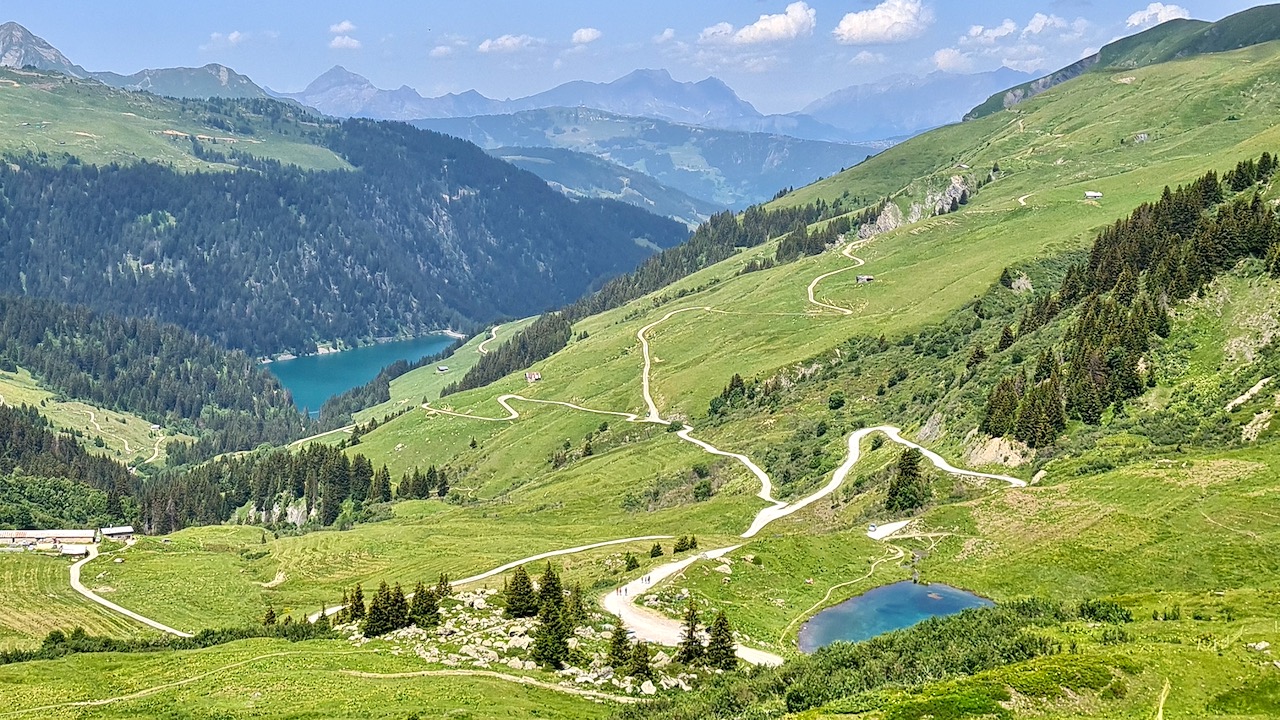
(19, 48)
(336, 76)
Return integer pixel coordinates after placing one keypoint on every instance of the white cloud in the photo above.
(441, 51)
(665, 36)
(891, 21)
(346, 27)
(719, 32)
(345, 42)
(508, 44)
(798, 20)
(866, 57)
(1155, 14)
(981, 35)
(236, 38)
(952, 60)
(1041, 22)
(583, 36)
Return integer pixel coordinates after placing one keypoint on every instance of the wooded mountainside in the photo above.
(160, 372)
(427, 232)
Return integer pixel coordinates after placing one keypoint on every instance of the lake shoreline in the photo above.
(331, 348)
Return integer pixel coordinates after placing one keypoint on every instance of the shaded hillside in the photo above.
(578, 174)
(429, 232)
(728, 168)
(1167, 41)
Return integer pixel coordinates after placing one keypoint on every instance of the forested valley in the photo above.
(426, 232)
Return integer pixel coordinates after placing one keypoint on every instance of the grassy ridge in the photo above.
(426, 382)
(56, 115)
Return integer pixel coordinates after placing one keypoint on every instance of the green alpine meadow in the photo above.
(742, 412)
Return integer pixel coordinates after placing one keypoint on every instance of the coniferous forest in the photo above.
(158, 371)
(426, 232)
(1136, 272)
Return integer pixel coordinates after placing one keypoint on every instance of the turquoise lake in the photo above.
(882, 610)
(316, 378)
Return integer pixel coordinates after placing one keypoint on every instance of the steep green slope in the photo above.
(1171, 40)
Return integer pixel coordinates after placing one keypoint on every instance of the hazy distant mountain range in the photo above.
(906, 104)
(728, 168)
(897, 106)
(709, 148)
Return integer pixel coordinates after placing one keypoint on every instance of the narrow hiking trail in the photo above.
(80, 588)
(493, 335)
(518, 679)
(155, 452)
(649, 625)
(645, 623)
(859, 262)
(93, 418)
(895, 553)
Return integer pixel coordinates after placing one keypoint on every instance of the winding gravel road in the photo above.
(80, 588)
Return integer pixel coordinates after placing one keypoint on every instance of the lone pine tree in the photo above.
(690, 649)
(909, 488)
(522, 601)
(720, 649)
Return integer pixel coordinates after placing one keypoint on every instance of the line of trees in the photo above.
(338, 489)
(541, 339)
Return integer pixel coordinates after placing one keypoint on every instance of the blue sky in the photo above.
(778, 55)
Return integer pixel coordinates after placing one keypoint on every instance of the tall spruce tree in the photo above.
(575, 608)
(550, 591)
(378, 620)
(1002, 408)
(720, 647)
(522, 601)
(424, 610)
(619, 649)
(640, 665)
(909, 488)
(690, 649)
(397, 608)
(356, 609)
(551, 637)
(444, 588)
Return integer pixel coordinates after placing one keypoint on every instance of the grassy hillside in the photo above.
(410, 389)
(56, 115)
(38, 599)
(1111, 511)
(1167, 41)
(125, 437)
(306, 680)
